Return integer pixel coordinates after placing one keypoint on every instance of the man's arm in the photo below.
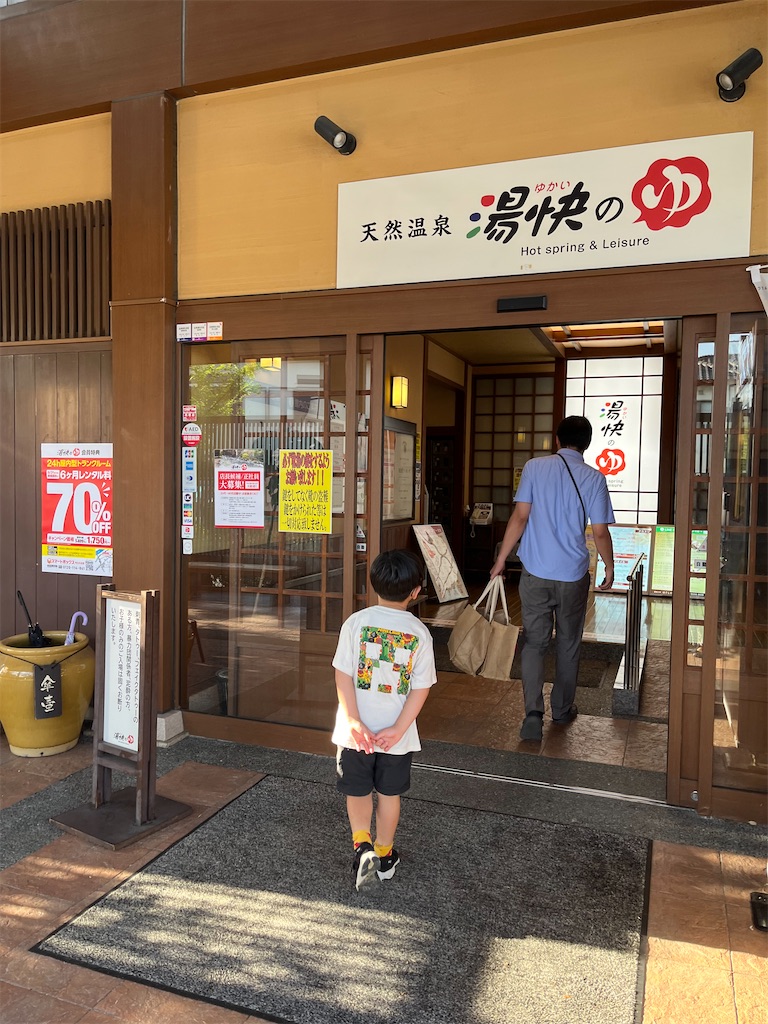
(361, 734)
(604, 545)
(512, 534)
(414, 702)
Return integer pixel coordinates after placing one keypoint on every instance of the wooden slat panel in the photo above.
(55, 274)
(106, 267)
(29, 276)
(19, 275)
(71, 272)
(45, 272)
(5, 312)
(63, 288)
(88, 276)
(94, 275)
(79, 330)
(39, 284)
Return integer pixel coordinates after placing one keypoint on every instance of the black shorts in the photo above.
(359, 773)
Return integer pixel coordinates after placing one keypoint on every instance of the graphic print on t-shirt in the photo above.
(389, 651)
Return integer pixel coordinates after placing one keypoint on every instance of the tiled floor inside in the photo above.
(705, 964)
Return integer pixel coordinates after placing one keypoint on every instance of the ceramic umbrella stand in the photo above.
(30, 736)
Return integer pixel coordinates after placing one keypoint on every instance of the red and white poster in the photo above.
(238, 497)
(77, 508)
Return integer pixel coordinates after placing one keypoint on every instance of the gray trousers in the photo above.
(548, 603)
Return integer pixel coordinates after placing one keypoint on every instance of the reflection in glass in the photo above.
(263, 601)
(740, 735)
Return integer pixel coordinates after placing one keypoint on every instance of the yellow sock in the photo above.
(381, 850)
(361, 836)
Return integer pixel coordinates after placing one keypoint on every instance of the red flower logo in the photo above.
(672, 192)
(611, 461)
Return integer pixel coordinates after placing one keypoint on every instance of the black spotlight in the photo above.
(343, 142)
(731, 81)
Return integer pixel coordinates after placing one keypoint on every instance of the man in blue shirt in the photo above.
(556, 496)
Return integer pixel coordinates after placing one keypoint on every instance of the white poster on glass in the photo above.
(238, 497)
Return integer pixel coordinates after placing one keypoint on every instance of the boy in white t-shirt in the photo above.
(385, 665)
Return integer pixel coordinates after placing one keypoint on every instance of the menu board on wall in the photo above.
(399, 480)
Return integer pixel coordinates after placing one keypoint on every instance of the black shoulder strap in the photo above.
(570, 474)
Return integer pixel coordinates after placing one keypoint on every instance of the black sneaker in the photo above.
(388, 864)
(365, 865)
(532, 727)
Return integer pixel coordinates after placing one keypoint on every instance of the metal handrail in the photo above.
(632, 625)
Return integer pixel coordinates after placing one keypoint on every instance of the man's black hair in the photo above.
(394, 574)
(575, 432)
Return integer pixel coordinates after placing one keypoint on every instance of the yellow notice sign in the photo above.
(306, 478)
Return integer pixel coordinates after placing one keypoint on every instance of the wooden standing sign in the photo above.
(124, 724)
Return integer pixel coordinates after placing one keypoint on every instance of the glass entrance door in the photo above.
(719, 699)
(277, 500)
(740, 736)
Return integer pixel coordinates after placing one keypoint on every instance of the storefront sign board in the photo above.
(659, 202)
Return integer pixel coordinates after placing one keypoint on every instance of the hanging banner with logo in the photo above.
(77, 509)
(661, 202)
(306, 484)
(615, 447)
(238, 497)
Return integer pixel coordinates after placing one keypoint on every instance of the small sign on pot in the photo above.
(48, 691)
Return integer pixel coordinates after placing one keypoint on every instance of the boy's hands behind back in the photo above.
(362, 735)
(388, 738)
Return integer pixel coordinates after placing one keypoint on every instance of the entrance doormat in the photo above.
(488, 919)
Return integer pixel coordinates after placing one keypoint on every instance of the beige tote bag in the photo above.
(468, 642)
(502, 643)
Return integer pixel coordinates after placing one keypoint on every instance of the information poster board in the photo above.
(663, 562)
(441, 565)
(399, 478)
(122, 673)
(306, 487)
(76, 500)
(629, 542)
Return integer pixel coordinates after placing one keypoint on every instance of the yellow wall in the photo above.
(54, 164)
(405, 357)
(257, 186)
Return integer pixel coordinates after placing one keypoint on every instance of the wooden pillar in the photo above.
(143, 358)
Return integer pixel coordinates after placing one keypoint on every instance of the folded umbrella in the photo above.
(71, 634)
(36, 636)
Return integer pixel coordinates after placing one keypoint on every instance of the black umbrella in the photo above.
(36, 636)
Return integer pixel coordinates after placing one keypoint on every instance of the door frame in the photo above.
(713, 288)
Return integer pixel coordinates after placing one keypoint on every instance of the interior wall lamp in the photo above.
(399, 396)
(270, 363)
(343, 142)
(731, 81)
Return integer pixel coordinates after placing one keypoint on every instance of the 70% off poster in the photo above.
(77, 508)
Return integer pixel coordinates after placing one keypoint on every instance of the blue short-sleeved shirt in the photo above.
(553, 545)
